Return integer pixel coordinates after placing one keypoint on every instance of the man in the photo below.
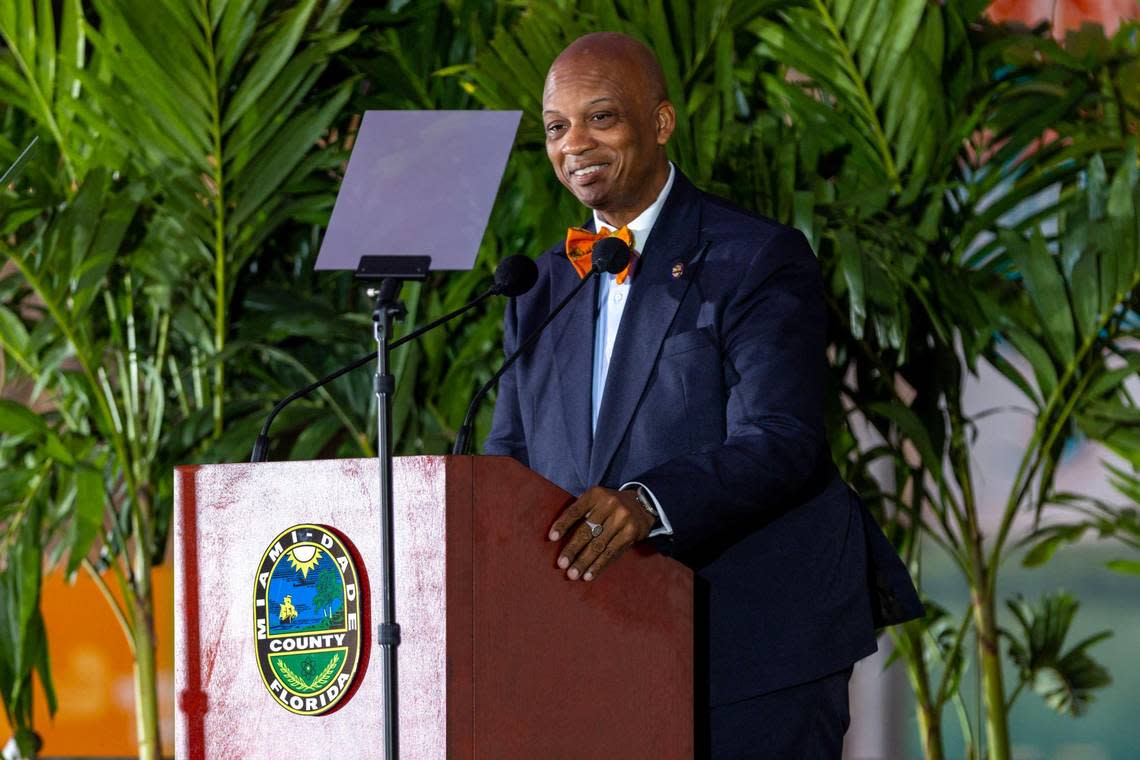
(684, 402)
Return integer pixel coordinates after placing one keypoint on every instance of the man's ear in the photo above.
(665, 120)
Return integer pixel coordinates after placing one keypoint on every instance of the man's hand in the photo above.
(624, 522)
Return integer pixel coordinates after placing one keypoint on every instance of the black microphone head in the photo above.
(515, 275)
(611, 254)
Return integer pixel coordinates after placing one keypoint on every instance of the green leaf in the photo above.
(14, 336)
(14, 484)
(1120, 196)
(284, 153)
(55, 448)
(803, 216)
(25, 563)
(1129, 566)
(1046, 289)
(314, 437)
(1038, 358)
(1043, 551)
(273, 57)
(899, 36)
(1113, 411)
(88, 519)
(1128, 484)
(1002, 365)
(18, 420)
(851, 264)
(1086, 291)
(1097, 195)
(913, 429)
(1066, 680)
(43, 667)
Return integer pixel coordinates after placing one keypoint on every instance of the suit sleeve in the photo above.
(507, 437)
(775, 451)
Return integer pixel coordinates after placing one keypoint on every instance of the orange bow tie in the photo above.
(580, 246)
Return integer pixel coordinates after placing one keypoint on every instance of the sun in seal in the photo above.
(304, 558)
(307, 619)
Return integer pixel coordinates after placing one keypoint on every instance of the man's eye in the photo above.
(552, 129)
(604, 116)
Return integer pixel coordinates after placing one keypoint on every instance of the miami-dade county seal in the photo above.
(306, 613)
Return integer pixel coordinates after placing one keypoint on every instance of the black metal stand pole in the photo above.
(388, 309)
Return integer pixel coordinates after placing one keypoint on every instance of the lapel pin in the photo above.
(678, 270)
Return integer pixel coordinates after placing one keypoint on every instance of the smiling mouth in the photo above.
(586, 171)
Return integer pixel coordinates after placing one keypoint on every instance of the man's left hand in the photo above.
(624, 522)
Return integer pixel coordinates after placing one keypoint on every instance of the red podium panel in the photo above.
(501, 656)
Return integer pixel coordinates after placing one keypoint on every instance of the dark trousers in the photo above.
(802, 722)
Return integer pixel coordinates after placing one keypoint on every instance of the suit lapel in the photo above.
(573, 357)
(654, 298)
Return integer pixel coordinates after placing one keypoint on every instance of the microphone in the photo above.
(610, 254)
(514, 276)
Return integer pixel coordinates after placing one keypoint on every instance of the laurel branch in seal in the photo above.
(299, 683)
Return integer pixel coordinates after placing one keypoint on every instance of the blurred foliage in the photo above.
(23, 637)
(1093, 517)
(176, 140)
(971, 191)
(1065, 679)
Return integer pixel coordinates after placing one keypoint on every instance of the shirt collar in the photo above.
(643, 224)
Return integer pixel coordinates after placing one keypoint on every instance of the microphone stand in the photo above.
(17, 167)
(388, 308)
(463, 437)
(390, 271)
(514, 276)
(261, 443)
(609, 255)
(511, 278)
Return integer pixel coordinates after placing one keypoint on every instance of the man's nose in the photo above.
(578, 140)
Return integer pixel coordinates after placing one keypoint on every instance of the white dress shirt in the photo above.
(612, 298)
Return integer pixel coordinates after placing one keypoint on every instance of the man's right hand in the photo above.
(623, 523)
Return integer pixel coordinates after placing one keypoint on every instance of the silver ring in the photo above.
(595, 528)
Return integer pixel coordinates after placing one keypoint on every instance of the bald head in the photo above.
(611, 49)
(608, 119)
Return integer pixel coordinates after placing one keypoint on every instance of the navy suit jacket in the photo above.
(714, 400)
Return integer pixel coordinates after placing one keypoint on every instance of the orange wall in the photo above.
(92, 665)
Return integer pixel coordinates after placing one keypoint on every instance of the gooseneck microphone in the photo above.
(610, 254)
(514, 276)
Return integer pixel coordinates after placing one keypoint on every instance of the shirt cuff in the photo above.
(666, 529)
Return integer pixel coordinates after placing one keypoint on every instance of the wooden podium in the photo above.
(501, 656)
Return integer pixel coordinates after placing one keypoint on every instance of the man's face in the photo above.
(603, 136)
